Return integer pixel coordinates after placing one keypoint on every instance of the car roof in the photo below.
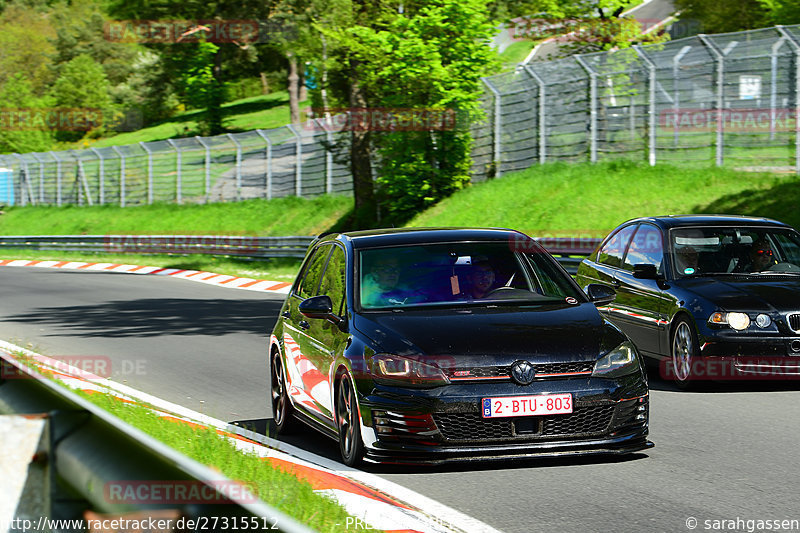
(677, 221)
(399, 236)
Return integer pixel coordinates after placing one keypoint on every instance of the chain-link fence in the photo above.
(729, 99)
(291, 160)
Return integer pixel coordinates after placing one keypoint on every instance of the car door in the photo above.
(306, 382)
(609, 259)
(640, 303)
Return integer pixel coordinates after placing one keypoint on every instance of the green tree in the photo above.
(723, 17)
(83, 86)
(22, 131)
(782, 11)
(585, 27)
(429, 57)
(26, 47)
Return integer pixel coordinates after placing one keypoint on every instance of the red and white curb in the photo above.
(210, 278)
(379, 503)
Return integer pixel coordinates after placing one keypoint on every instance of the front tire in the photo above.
(685, 351)
(282, 411)
(347, 419)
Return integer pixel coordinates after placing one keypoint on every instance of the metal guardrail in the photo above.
(564, 248)
(254, 247)
(87, 448)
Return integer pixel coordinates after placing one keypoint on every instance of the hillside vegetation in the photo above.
(554, 199)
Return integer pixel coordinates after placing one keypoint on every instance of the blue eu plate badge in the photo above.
(487, 407)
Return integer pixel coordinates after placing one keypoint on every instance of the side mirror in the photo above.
(600, 294)
(316, 307)
(645, 271)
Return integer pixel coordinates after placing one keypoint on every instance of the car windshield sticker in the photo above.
(688, 270)
(571, 300)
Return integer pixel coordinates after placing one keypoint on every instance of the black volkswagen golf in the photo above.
(710, 296)
(431, 345)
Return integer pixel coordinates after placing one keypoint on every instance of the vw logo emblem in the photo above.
(522, 372)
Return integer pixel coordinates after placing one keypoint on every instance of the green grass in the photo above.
(278, 217)
(258, 112)
(278, 488)
(589, 200)
(516, 53)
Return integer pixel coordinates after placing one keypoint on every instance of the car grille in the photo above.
(543, 370)
(471, 427)
(794, 322)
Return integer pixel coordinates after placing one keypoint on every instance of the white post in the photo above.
(268, 155)
(796, 47)
(497, 127)
(719, 59)
(41, 176)
(101, 194)
(238, 166)
(207, 163)
(58, 177)
(592, 108)
(542, 114)
(178, 196)
(298, 153)
(121, 176)
(651, 105)
(149, 172)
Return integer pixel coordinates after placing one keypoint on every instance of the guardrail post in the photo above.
(268, 156)
(238, 166)
(652, 119)
(149, 172)
(796, 48)
(298, 154)
(592, 108)
(58, 177)
(207, 164)
(101, 195)
(121, 176)
(178, 196)
(496, 157)
(719, 59)
(542, 113)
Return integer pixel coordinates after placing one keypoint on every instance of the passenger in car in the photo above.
(686, 260)
(381, 286)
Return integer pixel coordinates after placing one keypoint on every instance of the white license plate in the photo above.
(540, 404)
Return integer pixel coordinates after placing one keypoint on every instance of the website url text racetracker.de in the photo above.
(144, 524)
(755, 120)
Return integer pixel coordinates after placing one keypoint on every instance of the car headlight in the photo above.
(737, 321)
(405, 371)
(620, 361)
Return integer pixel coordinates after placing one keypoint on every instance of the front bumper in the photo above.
(445, 424)
(758, 358)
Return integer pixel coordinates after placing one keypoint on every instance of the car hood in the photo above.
(545, 333)
(760, 294)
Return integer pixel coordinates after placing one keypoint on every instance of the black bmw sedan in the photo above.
(431, 345)
(710, 297)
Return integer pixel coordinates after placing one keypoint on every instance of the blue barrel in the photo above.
(6, 186)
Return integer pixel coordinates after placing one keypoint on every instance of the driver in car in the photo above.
(761, 257)
(481, 280)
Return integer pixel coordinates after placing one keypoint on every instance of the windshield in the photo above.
(458, 273)
(731, 250)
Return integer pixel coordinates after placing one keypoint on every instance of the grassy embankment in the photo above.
(554, 199)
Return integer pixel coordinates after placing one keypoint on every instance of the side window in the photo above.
(612, 251)
(333, 281)
(646, 248)
(313, 272)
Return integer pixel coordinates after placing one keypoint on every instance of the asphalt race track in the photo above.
(725, 453)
